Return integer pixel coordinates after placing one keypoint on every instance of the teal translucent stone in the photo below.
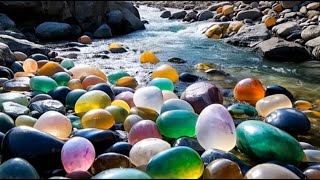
(239, 109)
(162, 84)
(67, 63)
(73, 96)
(177, 123)
(75, 121)
(176, 104)
(263, 141)
(62, 78)
(42, 83)
(113, 78)
(179, 162)
(121, 173)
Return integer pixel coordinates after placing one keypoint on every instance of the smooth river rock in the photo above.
(36, 147)
(290, 120)
(201, 94)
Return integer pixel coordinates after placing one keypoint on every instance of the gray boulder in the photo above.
(282, 50)
(285, 29)
(178, 15)
(165, 14)
(6, 55)
(217, 5)
(289, 4)
(129, 22)
(190, 16)
(22, 45)
(316, 52)
(53, 31)
(310, 32)
(14, 109)
(249, 14)
(6, 22)
(103, 32)
(13, 34)
(313, 42)
(205, 15)
(249, 36)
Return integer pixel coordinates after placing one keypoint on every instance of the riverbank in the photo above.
(279, 30)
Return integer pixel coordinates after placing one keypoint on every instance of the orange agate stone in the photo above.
(249, 90)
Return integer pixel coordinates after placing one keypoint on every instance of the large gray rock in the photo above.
(88, 14)
(249, 14)
(316, 52)
(165, 14)
(24, 46)
(6, 55)
(129, 23)
(310, 32)
(250, 35)
(285, 29)
(205, 15)
(6, 22)
(281, 50)
(14, 109)
(313, 42)
(289, 4)
(190, 16)
(178, 15)
(103, 32)
(217, 5)
(13, 34)
(53, 31)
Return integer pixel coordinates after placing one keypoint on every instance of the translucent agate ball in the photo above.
(144, 150)
(97, 118)
(77, 154)
(249, 90)
(216, 122)
(149, 97)
(30, 65)
(142, 130)
(54, 123)
(165, 71)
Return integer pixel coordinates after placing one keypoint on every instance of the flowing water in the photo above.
(173, 38)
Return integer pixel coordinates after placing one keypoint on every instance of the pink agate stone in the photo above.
(126, 96)
(142, 130)
(77, 154)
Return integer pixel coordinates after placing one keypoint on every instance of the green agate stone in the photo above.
(121, 173)
(239, 109)
(73, 96)
(176, 163)
(42, 83)
(67, 63)
(119, 113)
(177, 123)
(17, 168)
(62, 78)
(263, 141)
(113, 78)
(162, 84)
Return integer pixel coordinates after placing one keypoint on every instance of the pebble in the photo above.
(18, 84)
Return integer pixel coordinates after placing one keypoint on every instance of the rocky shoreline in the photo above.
(285, 31)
